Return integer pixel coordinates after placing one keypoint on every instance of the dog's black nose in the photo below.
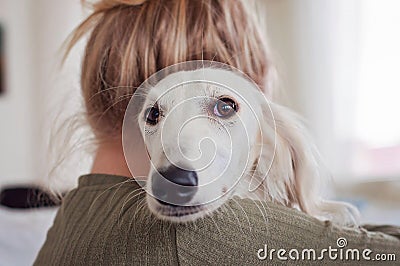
(174, 186)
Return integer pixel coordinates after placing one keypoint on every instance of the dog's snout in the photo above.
(174, 186)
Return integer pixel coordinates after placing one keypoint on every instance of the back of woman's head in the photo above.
(133, 39)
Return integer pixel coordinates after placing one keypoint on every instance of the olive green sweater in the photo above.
(104, 221)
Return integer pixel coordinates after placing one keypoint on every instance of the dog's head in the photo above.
(200, 129)
(211, 133)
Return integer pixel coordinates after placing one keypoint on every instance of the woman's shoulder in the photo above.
(254, 232)
(105, 219)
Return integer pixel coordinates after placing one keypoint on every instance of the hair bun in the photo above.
(103, 5)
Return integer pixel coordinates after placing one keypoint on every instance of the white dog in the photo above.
(210, 134)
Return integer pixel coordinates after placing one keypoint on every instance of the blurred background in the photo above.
(338, 62)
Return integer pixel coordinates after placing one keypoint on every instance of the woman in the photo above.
(104, 220)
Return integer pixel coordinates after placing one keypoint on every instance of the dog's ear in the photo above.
(290, 168)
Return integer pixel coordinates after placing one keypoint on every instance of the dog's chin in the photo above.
(181, 214)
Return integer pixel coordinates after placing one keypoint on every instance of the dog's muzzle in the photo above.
(174, 186)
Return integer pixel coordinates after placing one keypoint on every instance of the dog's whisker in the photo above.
(136, 94)
(216, 225)
(140, 219)
(212, 59)
(115, 192)
(151, 226)
(138, 210)
(127, 199)
(260, 188)
(111, 88)
(120, 215)
(139, 206)
(265, 215)
(244, 212)
(226, 206)
(111, 187)
(260, 201)
(123, 98)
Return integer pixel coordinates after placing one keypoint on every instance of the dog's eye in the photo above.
(151, 115)
(225, 107)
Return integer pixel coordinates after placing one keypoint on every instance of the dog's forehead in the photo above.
(200, 83)
(195, 90)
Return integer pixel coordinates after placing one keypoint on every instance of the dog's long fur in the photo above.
(293, 178)
(297, 176)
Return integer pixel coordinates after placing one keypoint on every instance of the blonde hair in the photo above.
(132, 39)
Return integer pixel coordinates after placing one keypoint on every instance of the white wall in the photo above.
(316, 52)
(34, 31)
(17, 110)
